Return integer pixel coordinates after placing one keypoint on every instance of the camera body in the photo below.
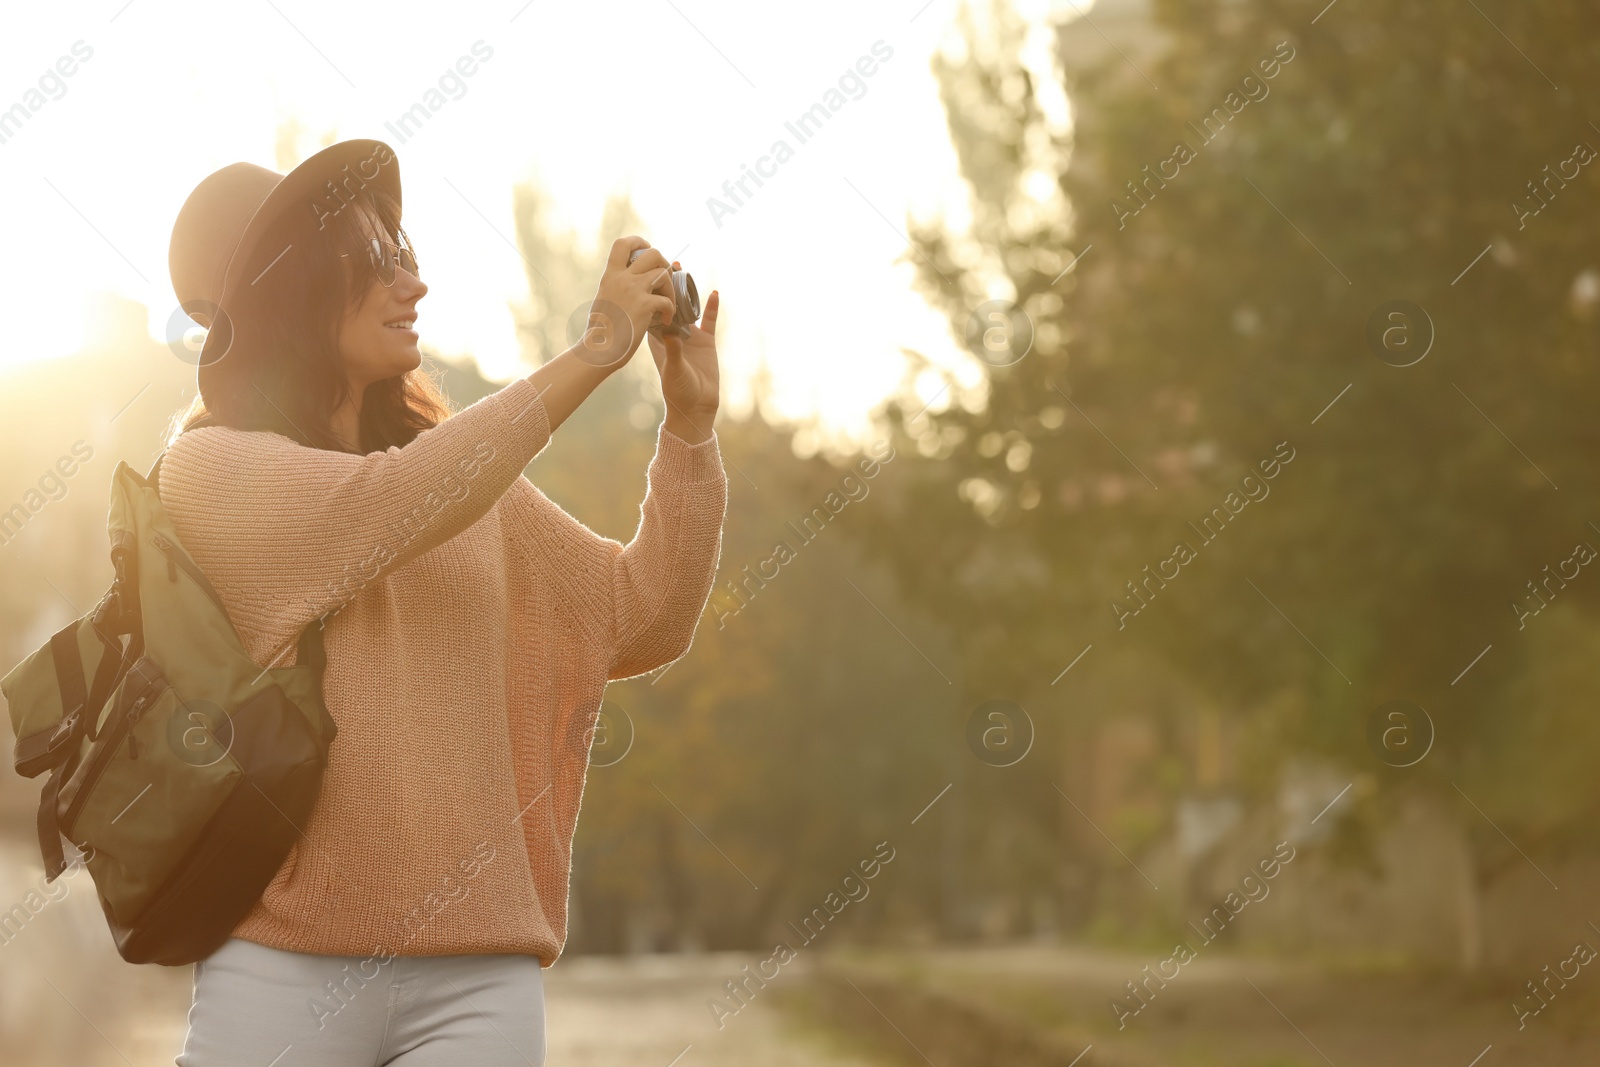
(685, 296)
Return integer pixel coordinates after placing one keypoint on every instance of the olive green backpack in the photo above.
(181, 770)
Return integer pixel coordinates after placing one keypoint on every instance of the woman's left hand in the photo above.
(690, 381)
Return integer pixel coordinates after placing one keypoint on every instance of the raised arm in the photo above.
(641, 600)
(660, 580)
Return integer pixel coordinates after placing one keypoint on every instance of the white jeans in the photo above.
(256, 1006)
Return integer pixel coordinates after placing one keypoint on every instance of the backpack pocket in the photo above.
(46, 711)
(155, 764)
(248, 840)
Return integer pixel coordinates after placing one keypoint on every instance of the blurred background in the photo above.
(1212, 647)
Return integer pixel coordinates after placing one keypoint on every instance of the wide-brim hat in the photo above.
(219, 229)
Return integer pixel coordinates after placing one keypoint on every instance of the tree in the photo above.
(1217, 319)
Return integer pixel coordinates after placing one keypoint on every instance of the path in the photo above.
(68, 1000)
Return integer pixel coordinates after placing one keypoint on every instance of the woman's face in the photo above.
(378, 337)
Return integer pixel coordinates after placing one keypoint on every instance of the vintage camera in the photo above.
(688, 301)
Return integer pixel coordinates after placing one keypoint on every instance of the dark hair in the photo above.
(282, 372)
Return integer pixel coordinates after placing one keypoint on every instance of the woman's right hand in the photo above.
(630, 298)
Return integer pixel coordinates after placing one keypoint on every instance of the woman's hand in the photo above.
(690, 381)
(630, 297)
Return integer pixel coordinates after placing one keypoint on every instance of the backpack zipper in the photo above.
(103, 753)
(178, 560)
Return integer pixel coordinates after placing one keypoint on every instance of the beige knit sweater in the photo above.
(479, 625)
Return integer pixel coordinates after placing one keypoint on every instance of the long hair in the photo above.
(282, 371)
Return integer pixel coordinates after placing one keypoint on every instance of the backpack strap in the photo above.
(113, 666)
(55, 861)
(69, 670)
(311, 652)
(64, 743)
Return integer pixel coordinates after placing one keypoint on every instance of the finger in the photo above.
(708, 315)
(659, 277)
(621, 249)
(665, 306)
(651, 259)
(663, 284)
(663, 350)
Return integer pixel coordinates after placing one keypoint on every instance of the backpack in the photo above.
(181, 770)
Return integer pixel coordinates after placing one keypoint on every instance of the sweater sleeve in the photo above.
(641, 600)
(295, 532)
(661, 580)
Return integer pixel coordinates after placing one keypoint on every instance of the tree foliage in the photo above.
(1218, 309)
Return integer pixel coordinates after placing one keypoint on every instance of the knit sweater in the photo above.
(477, 625)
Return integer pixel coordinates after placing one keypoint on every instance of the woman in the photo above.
(471, 624)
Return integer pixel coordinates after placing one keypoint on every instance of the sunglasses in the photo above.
(386, 256)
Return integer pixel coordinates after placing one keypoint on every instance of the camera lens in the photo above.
(688, 300)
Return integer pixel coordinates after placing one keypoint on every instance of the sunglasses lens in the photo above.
(382, 261)
(386, 258)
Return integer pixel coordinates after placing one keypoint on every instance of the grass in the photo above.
(1369, 1008)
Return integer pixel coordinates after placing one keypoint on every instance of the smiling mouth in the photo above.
(401, 324)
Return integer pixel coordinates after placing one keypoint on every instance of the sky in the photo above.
(664, 99)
